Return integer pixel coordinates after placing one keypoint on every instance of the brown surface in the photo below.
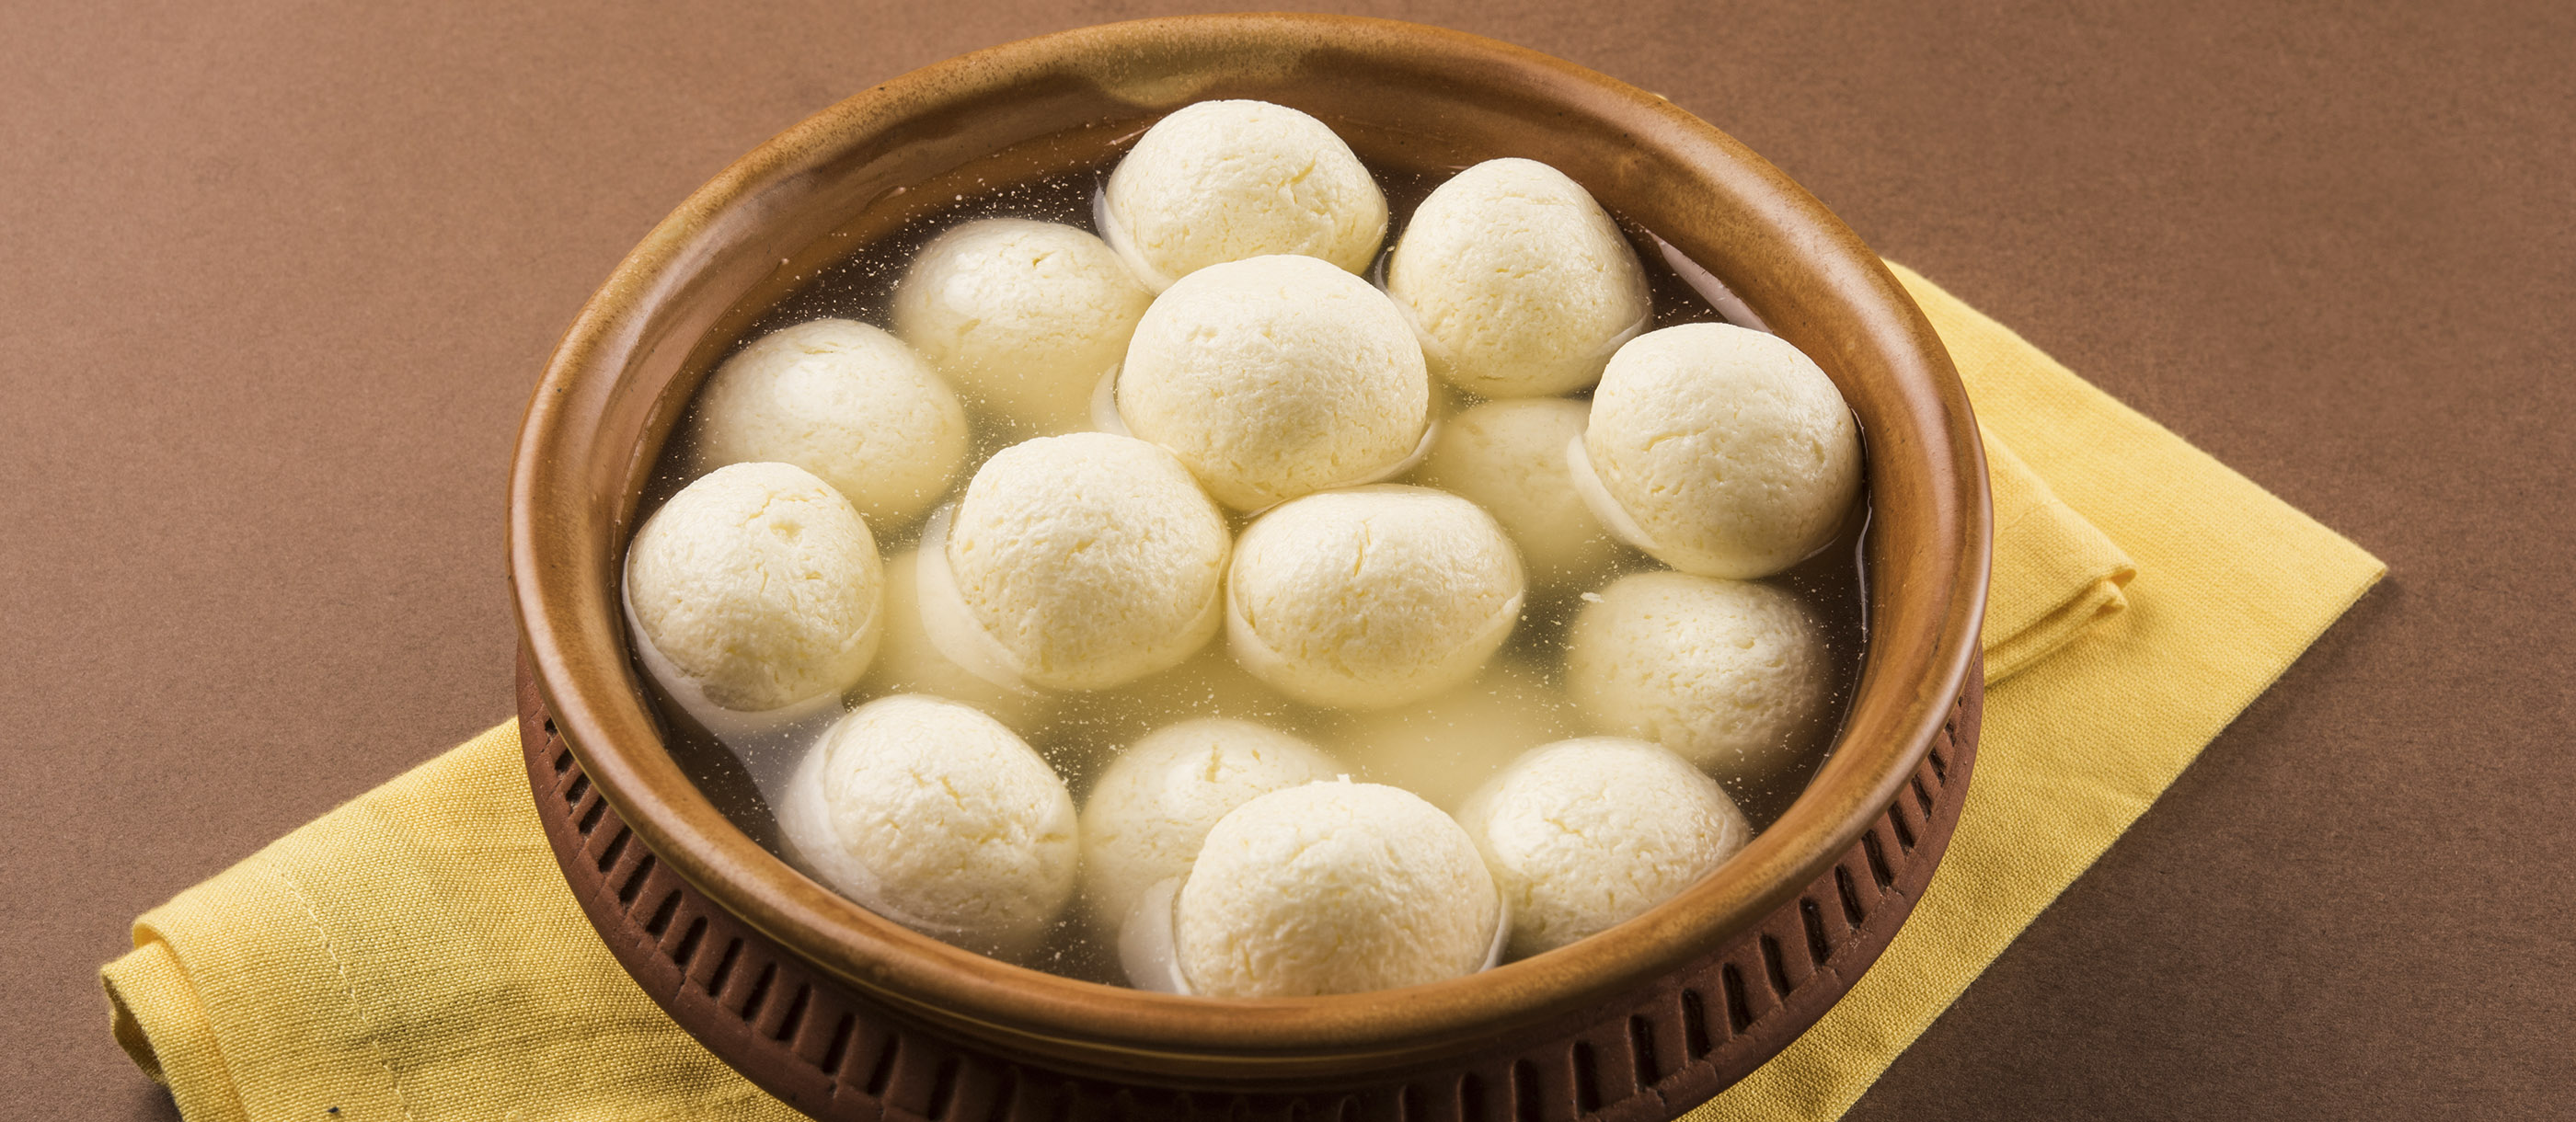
(274, 283)
(1403, 95)
(1647, 1055)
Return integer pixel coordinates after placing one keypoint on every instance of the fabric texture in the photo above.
(2066, 575)
(2228, 586)
(415, 954)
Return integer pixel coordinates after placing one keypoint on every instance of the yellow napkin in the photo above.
(2057, 573)
(414, 954)
(2230, 584)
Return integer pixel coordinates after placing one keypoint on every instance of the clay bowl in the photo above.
(1407, 95)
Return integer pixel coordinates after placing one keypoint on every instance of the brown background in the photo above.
(276, 279)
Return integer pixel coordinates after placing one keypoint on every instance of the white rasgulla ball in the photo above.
(1275, 377)
(1509, 458)
(909, 662)
(1023, 317)
(1733, 676)
(1583, 834)
(1092, 559)
(936, 817)
(845, 401)
(1157, 800)
(1443, 747)
(1521, 284)
(1730, 450)
(1333, 888)
(760, 585)
(1224, 180)
(1371, 597)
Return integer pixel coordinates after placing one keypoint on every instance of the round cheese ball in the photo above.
(1372, 597)
(845, 401)
(1443, 747)
(1090, 559)
(1733, 676)
(1726, 449)
(1155, 803)
(1224, 180)
(1583, 834)
(758, 587)
(1520, 283)
(909, 662)
(1023, 317)
(935, 816)
(1509, 458)
(1333, 888)
(1275, 377)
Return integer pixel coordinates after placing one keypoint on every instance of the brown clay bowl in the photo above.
(1406, 95)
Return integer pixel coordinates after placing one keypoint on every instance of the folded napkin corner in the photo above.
(155, 1016)
(2067, 574)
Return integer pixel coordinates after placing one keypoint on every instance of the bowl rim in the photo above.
(596, 699)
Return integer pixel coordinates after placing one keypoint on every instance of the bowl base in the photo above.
(1655, 1053)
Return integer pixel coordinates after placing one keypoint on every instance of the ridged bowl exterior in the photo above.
(1652, 1054)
